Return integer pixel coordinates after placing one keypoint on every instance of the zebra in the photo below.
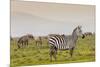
(23, 41)
(88, 34)
(38, 41)
(63, 42)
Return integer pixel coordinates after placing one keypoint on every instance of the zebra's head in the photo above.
(79, 31)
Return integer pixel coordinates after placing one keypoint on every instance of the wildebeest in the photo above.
(38, 41)
(63, 42)
(23, 41)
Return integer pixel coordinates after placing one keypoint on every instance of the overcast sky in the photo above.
(45, 18)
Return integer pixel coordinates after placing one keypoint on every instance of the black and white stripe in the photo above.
(58, 41)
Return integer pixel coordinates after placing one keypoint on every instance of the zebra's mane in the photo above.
(74, 30)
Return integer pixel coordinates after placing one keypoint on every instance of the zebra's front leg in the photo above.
(71, 52)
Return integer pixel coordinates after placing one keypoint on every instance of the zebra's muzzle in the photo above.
(83, 36)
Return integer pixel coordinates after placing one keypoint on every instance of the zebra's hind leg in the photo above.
(50, 56)
(18, 45)
(53, 52)
(71, 52)
(26, 44)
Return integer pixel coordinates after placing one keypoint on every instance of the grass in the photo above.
(84, 52)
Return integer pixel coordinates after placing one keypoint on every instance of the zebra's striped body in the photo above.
(60, 42)
(23, 41)
(38, 41)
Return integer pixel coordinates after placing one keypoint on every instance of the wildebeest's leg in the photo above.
(71, 51)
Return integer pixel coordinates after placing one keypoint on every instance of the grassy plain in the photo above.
(32, 55)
